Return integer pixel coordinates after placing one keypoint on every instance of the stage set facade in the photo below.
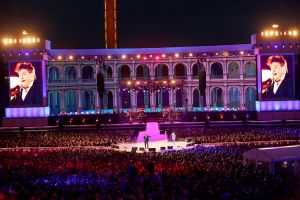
(113, 81)
(152, 79)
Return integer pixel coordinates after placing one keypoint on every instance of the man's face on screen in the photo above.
(25, 77)
(277, 71)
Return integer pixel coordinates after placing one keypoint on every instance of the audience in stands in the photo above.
(94, 173)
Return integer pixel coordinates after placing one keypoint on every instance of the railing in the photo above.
(88, 80)
(233, 76)
(212, 76)
(250, 76)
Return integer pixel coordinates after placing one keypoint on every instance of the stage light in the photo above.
(164, 82)
(123, 56)
(295, 33)
(242, 52)
(24, 32)
(276, 46)
(176, 55)
(82, 57)
(138, 56)
(271, 33)
(190, 54)
(157, 57)
(262, 33)
(266, 33)
(5, 41)
(71, 57)
(275, 26)
(290, 32)
(144, 58)
(128, 83)
(173, 81)
(109, 56)
(276, 33)
(137, 82)
(26, 54)
(59, 57)
(150, 56)
(163, 55)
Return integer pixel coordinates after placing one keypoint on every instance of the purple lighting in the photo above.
(277, 105)
(276, 46)
(27, 112)
(26, 54)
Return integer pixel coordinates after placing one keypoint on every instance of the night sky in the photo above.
(147, 23)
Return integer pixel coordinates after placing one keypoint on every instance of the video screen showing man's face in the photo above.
(277, 77)
(25, 84)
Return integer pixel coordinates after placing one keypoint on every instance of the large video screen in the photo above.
(25, 84)
(277, 77)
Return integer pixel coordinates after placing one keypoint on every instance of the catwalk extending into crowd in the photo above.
(76, 172)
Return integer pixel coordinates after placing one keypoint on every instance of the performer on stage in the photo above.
(173, 138)
(146, 141)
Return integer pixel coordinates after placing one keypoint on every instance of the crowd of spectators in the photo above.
(94, 173)
(108, 137)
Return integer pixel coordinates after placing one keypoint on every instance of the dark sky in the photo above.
(147, 23)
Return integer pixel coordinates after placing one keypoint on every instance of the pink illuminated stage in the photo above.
(158, 142)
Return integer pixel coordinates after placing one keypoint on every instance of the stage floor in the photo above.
(157, 146)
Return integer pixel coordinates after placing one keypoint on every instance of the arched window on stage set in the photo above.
(110, 101)
(233, 70)
(195, 70)
(87, 73)
(161, 72)
(108, 72)
(70, 74)
(250, 98)
(70, 101)
(178, 99)
(198, 101)
(216, 71)
(124, 72)
(53, 75)
(143, 99)
(216, 99)
(126, 100)
(142, 72)
(234, 97)
(162, 99)
(54, 103)
(88, 101)
(180, 71)
(250, 70)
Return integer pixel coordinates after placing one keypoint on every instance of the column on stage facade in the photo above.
(243, 97)
(151, 71)
(62, 102)
(97, 105)
(171, 99)
(152, 101)
(189, 98)
(116, 97)
(133, 100)
(78, 94)
(208, 98)
(225, 103)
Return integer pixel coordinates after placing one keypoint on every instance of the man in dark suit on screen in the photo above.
(281, 84)
(29, 91)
